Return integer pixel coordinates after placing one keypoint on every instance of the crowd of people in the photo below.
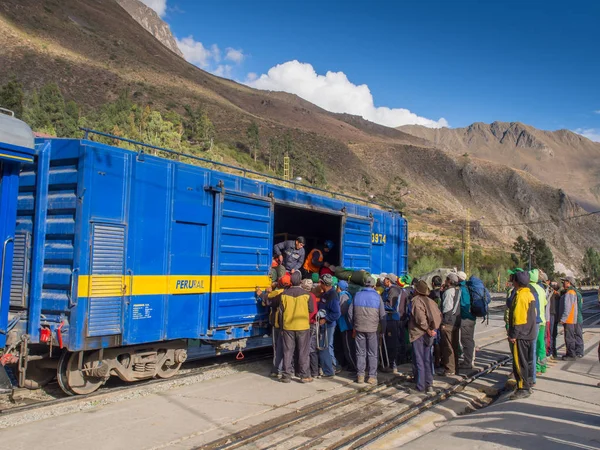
(322, 325)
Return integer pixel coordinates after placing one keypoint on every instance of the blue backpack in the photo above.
(343, 322)
(480, 297)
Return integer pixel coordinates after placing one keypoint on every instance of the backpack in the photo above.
(480, 297)
(343, 323)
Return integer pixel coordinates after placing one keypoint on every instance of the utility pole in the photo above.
(467, 244)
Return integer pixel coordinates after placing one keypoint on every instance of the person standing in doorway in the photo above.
(290, 255)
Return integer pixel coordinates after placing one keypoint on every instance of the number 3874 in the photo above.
(377, 238)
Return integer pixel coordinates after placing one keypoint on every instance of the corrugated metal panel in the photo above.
(357, 243)
(108, 260)
(19, 286)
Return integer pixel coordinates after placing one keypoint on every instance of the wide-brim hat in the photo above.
(422, 288)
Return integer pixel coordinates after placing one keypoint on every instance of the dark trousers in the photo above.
(450, 343)
(579, 339)
(296, 341)
(366, 353)
(570, 339)
(277, 351)
(522, 352)
(392, 341)
(554, 321)
(314, 353)
(422, 356)
(324, 354)
(349, 346)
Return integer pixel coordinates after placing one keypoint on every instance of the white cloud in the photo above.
(597, 111)
(223, 70)
(334, 92)
(593, 134)
(237, 56)
(251, 77)
(196, 53)
(160, 6)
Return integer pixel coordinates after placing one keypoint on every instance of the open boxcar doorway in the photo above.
(316, 227)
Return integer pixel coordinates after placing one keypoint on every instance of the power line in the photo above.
(538, 222)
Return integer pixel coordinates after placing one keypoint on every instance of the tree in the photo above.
(253, 135)
(198, 126)
(316, 173)
(46, 112)
(11, 97)
(591, 265)
(535, 250)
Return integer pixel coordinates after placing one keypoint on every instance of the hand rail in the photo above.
(8, 239)
(88, 131)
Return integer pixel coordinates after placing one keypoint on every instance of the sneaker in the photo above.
(519, 394)
(429, 390)
(306, 380)
(579, 356)
(465, 366)
(372, 381)
(395, 371)
(286, 380)
(327, 376)
(568, 358)
(360, 379)
(338, 370)
(275, 375)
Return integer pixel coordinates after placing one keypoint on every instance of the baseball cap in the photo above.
(326, 279)
(393, 278)
(461, 275)
(569, 279)
(301, 239)
(343, 285)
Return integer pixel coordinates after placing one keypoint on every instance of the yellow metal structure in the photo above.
(286, 167)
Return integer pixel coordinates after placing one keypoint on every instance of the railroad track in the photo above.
(200, 367)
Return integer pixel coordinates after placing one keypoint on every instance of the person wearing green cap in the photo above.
(540, 347)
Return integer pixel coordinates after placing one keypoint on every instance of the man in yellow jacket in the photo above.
(295, 309)
(522, 334)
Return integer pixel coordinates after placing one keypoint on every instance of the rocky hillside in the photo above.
(559, 158)
(95, 50)
(148, 19)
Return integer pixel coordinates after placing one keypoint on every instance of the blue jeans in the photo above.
(422, 364)
(325, 355)
(330, 334)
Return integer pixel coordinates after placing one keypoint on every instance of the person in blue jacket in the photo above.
(329, 313)
(467, 324)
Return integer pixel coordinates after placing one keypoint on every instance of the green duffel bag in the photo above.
(352, 276)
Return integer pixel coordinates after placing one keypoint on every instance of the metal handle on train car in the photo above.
(8, 239)
(257, 259)
(73, 297)
(130, 273)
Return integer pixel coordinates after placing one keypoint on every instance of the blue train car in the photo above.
(121, 256)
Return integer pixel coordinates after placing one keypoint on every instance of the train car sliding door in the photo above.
(242, 252)
(357, 238)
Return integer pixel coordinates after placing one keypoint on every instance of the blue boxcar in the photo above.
(115, 250)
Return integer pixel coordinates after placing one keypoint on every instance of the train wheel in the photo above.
(38, 377)
(74, 381)
(170, 367)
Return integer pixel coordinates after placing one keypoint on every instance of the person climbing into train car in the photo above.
(436, 296)
(539, 360)
(522, 334)
(271, 299)
(450, 329)
(345, 327)
(392, 296)
(315, 260)
(425, 319)
(308, 285)
(367, 313)
(467, 324)
(569, 312)
(295, 309)
(290, 254)
(329, 304)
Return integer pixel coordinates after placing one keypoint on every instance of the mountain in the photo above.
(94, 50)
(151, 22)
(559, 158)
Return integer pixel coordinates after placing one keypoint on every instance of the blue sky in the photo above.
(431, 62)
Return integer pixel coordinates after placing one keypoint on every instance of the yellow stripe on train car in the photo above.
(97, 286)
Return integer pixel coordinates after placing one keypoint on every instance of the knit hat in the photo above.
(307, 284)
(534, 275)
(422, 288)
(327, 280)
(406, 279)
(393, 278)
(343, 285)
(543, 276)
(301, 240)
(314, 277)
(462, 276)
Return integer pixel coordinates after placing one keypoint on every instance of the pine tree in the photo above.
(12, 98)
